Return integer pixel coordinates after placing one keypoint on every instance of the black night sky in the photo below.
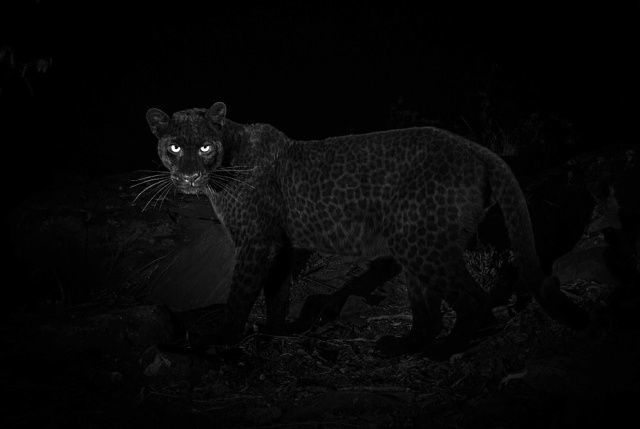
(312, 69)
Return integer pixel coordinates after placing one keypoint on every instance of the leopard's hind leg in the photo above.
(470, 302)
(426, 323)
(435, 273)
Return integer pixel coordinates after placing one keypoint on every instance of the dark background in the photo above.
(555, 80)
(312, 69)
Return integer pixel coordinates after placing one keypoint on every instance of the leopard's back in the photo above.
(341, 193)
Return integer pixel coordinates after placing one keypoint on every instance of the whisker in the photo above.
(150, 171)
(144, 190)
(163, 196)
(236, 169)
(156, 191)
(238, 165)
(224, 188)
(164, 191)
(237, 180)
(233, 171)
(154, 195)
(230, 193)
(226, 191)
(211, 197)
(215, 181)
(147, 188)
(154, 179)
(137, 179)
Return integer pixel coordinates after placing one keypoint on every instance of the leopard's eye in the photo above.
(205, 148)
(174, 148)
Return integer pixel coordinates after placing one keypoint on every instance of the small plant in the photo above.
(18, 72)
(484, 264)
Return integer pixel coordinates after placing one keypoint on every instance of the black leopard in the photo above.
(414, 195)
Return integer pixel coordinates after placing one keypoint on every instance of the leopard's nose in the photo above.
(191, 178)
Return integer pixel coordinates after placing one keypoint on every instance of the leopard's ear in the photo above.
(158, 121)
(217, 112)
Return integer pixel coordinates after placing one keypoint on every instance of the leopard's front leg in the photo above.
(253, 262)
(224, 324)
(256, 249)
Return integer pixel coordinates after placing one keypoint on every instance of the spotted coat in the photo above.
(416, 195)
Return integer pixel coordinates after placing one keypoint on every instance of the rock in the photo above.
(134, 327)
(197, 274)
(613, 180)
(72, 244)
(353, 309)
(586, 264)
(162, 367)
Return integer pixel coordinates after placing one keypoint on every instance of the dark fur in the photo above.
(416, 195)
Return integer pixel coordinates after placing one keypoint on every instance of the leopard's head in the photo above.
(190, 144)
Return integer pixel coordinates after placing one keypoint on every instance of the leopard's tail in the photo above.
(506, 191)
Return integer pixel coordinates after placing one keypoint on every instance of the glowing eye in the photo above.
(205, 148)
(175, 148)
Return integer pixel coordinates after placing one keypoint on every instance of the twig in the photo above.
(307, 423)
(403, 316)
(379, 389)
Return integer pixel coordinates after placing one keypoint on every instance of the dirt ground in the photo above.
(80, 338)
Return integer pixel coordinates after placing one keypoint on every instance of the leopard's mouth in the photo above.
(190, 188)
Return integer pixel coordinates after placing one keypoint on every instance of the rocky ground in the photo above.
(84, 315)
